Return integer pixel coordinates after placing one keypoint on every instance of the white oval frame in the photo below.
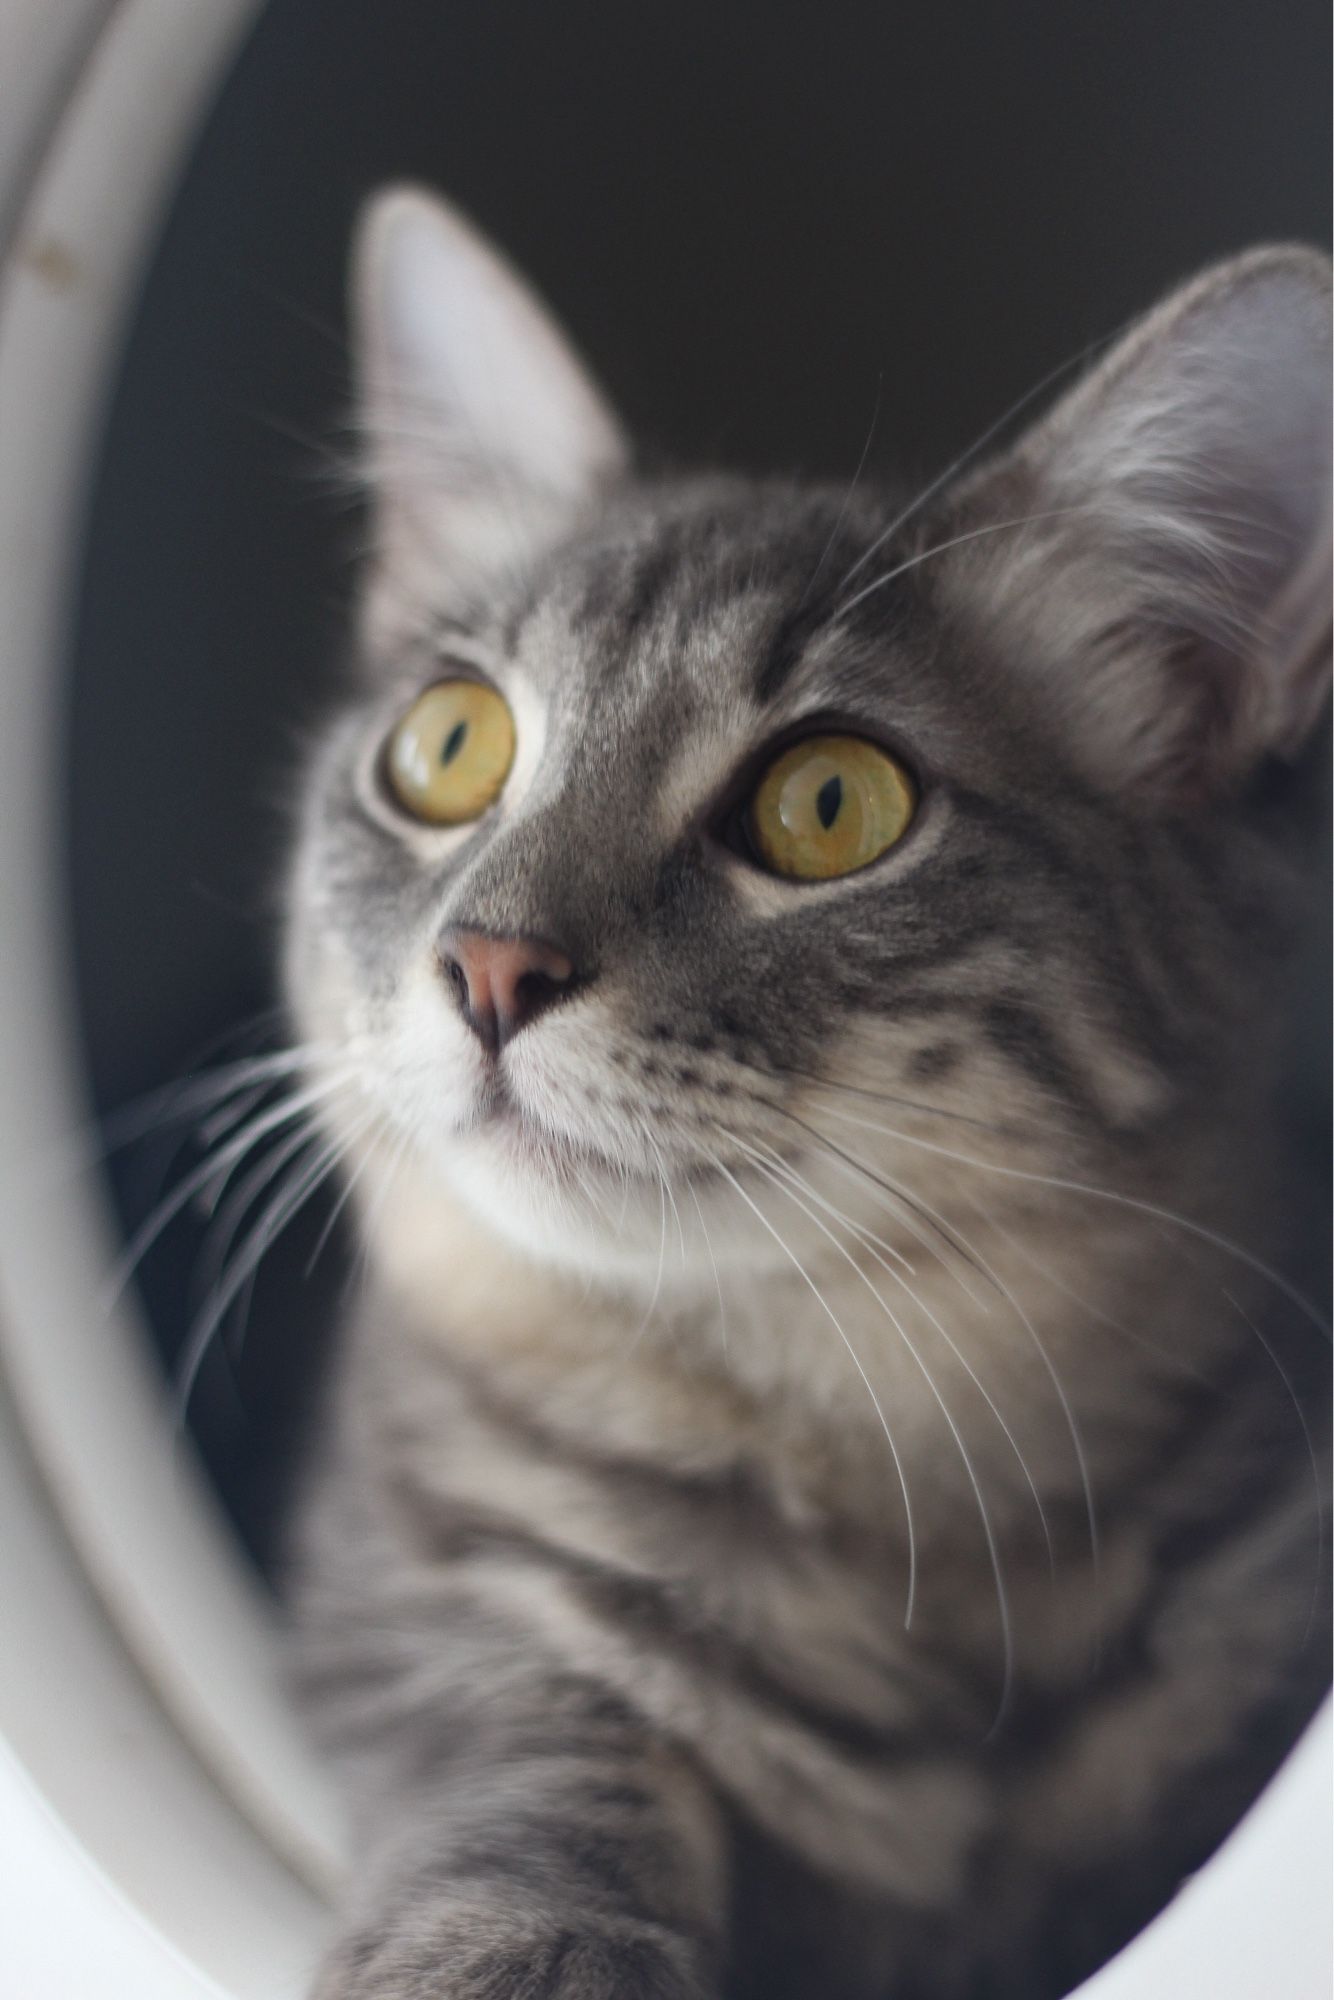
(176, 1837)
(228, 1867)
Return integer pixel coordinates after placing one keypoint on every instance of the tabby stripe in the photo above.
(1024, 1039)
(836, 1810)
(648, 1606)
(1092, 895)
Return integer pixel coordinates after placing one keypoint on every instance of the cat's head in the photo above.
(681, 836)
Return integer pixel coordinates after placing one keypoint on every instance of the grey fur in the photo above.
(926, 1241)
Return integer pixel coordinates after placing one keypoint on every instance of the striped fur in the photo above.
(830, 1499)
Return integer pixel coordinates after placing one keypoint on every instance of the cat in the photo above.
(821, 1491)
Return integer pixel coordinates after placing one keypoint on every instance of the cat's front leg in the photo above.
(455, 1945)
(585, 1871)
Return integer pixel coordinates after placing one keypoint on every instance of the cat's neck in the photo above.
(1034, 1360)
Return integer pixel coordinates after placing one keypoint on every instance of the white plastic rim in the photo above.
(91, 166)
(150, 1775)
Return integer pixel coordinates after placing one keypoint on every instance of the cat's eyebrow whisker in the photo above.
(942, 548)
(829, 1312)
(1214, 554)
(979, 443)
(868, 1243)
(847, 497)
(1134, 1203)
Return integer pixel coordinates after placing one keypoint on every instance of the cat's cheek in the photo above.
(319, 983)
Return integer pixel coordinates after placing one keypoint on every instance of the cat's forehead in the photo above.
(723, 601)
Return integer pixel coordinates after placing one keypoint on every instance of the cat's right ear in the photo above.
(482, 434)
(1155, 553)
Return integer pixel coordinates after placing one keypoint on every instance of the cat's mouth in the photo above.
(527, 1139)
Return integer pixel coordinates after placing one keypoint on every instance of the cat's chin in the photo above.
(560, 1162)
(560, 1201)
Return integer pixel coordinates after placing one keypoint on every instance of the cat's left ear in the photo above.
(1172, 588)
(482, 433)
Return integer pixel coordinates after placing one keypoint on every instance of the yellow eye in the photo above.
(829, 805)
(449, 757)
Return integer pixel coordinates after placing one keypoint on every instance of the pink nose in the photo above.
(501, 983)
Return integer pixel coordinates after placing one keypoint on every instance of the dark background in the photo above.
(755, 219)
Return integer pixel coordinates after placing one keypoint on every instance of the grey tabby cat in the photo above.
(822, 1489)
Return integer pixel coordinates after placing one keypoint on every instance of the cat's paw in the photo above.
(435, 1954)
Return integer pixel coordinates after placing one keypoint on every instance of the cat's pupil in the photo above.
(453, 742)
(828, 800)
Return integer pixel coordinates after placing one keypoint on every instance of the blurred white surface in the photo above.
(1257, 1923)
(96, 179)
(68, 1935)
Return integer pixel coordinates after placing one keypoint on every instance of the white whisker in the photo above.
(228, 1216)
(665, 1178)
(345, 1195)
(652, 1306)
(1317, 1485)
(708, 1244)
(847, 497)
(1133, 1203)
(970, 1470)
(869, 1242)
(221, 1163)
(942, 548)
(825, 1306)
(177, 1102)
(911, 1207)
(1094, 1312)
(966, 457)
(879, 1178)
(292, 1196)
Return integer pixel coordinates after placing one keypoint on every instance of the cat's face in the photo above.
(821, 834)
